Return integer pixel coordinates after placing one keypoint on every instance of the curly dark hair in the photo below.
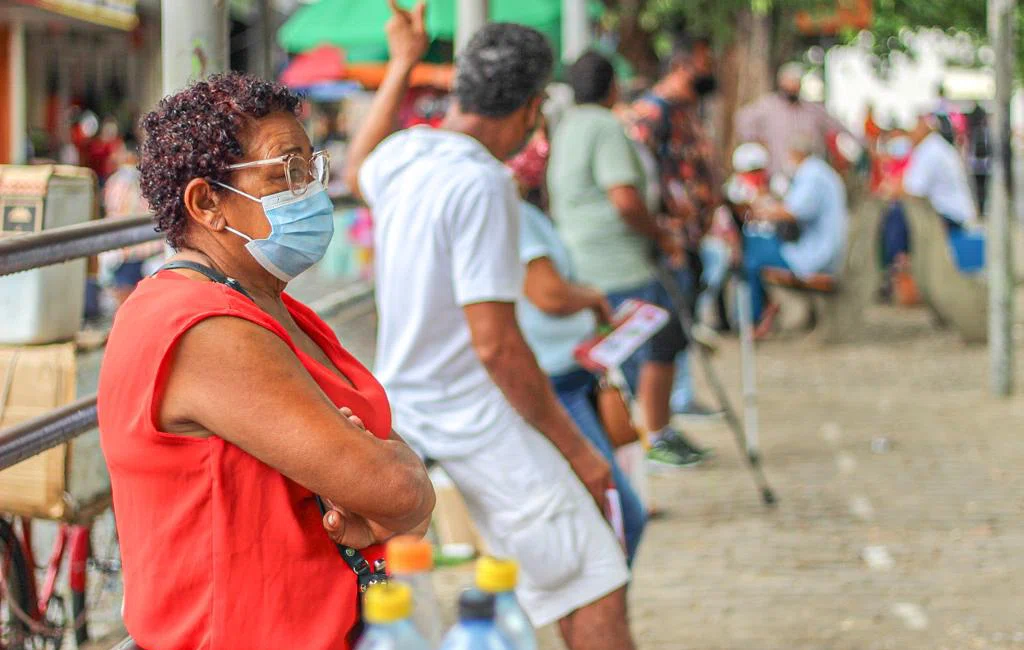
(591, 78)
(504, 66)
(194, 134)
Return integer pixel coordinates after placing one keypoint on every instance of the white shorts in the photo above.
(528, 504)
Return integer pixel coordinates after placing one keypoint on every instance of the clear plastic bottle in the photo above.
(499, 577)
(386, 610)
(410, 560)
(476, 629)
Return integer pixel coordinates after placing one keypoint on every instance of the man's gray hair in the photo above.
(504, 66)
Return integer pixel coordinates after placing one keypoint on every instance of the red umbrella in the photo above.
(323, 63)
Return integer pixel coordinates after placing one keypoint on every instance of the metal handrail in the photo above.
(31, 437)
(25, 252)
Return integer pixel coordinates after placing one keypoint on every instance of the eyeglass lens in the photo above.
(299, 172)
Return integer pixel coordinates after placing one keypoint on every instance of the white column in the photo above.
(19, 124)
(194, 37)
(470, 15)
(575, 29)
(999, 248)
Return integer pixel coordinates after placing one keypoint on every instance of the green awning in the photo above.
(357, 26)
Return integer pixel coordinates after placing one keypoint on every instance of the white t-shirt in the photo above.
(446, 233)
(937, 173)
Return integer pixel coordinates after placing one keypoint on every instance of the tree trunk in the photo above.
(635, 41)
(744, 74)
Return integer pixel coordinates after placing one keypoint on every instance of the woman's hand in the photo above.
(349, 529)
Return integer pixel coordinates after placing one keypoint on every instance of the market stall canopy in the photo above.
(323, 63)
(357, 26)
(323, 72)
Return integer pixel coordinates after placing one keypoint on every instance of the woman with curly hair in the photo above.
(229, 412)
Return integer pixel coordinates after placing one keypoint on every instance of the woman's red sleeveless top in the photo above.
(220, 551)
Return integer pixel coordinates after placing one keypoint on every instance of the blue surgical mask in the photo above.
(301, 228)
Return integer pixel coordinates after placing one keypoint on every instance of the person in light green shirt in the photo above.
(595, 184)
(590, 155)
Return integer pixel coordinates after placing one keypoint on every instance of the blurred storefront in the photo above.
(71, 64)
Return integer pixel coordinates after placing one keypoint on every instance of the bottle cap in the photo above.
(496, 575)
(387, 603)
(408, 554)
(476, 605)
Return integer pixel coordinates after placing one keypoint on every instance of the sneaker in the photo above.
(694, 410)
(683, 445)
(665, 454)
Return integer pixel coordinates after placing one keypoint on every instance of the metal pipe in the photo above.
(35, 436)
(194, 40)
(470, 16)
(24, 252)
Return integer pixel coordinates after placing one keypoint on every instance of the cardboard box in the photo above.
(69, 482)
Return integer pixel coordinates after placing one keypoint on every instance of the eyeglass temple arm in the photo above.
(272, 161)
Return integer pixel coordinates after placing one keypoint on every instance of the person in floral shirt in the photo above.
(666, 121)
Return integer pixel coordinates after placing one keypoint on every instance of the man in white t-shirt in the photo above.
(465, 389)
(937, 172)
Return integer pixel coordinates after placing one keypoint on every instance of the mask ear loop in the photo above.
(246, 195)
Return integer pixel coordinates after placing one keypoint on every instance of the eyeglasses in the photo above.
(298, 170)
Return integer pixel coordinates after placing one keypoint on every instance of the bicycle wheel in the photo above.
(17, 602)
(96, 610)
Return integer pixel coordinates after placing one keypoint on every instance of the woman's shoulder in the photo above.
(169, 302)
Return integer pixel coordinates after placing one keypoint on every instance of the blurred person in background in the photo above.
(102, 149)
(778, 119)
(122, 197)
(466, 386)
(893, 158)
(557, 313)
(816, 203)
(936, 172)
(872, 131)
(666, 121)
(979, 154)
(597, 185)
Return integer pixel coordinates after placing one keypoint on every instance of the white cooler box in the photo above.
(43, 305)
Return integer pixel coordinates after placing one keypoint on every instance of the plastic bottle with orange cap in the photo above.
(410, 560)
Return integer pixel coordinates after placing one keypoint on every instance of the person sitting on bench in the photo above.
(936, 172)
(814, 238)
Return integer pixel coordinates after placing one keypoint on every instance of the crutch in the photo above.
(746, 436)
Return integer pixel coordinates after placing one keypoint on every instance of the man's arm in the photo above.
(407, 42)
(618, 170)
(499, 344)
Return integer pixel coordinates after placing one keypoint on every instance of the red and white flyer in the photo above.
(633, 324)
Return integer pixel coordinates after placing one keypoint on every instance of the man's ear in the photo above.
(202, 204)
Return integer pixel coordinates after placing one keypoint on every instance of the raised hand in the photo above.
(407, 33)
